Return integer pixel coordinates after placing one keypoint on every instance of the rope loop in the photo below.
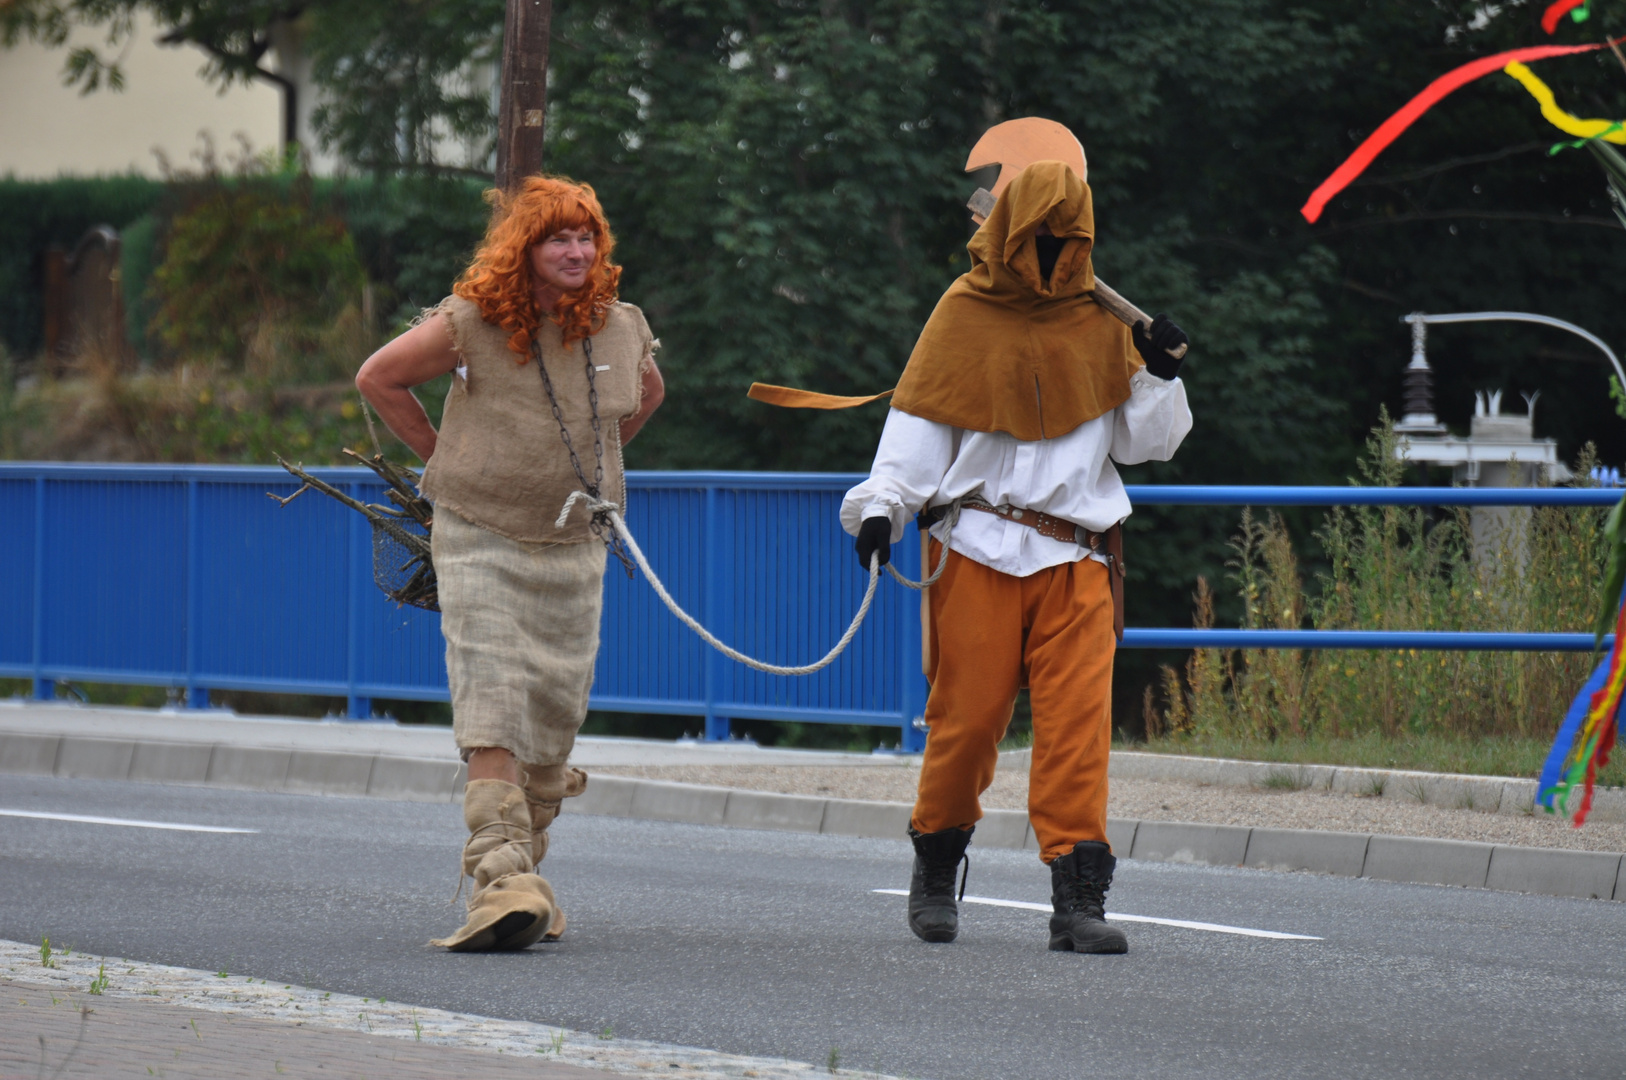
(613, 513)
(950, 519)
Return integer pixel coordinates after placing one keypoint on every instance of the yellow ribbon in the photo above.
(1568, 123)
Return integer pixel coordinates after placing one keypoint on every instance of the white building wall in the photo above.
(49, 130)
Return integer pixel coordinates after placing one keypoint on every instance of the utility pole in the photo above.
(524, 100)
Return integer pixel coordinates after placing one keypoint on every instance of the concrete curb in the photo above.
(247, 768)
(1417, 860)
(1488, 794)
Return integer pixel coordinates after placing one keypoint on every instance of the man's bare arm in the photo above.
(386, 380)
(654, 394)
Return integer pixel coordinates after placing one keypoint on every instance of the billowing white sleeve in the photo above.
(910, 462)
(1152, 423)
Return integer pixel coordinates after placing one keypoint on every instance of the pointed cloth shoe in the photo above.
(510, 907)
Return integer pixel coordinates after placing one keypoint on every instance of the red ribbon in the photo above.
(1556, 11)
(1391, 129)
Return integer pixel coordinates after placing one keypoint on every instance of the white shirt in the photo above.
(923, 463)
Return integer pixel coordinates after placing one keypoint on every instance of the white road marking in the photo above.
(131, 822)
(1115, 916)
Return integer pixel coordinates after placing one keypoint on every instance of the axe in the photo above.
(1013, 146)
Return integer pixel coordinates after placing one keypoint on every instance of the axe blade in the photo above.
(1016, 144)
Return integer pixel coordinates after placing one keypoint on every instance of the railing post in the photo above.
(357, 706)
(912, 686)
(44, 689)
(197, 697)
(714, 591)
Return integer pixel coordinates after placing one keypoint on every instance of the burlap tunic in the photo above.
(520, 599)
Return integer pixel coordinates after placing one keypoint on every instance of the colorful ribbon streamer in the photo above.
(1392, 128)
(1568, 123)
(1586, 736)
(1554, 12)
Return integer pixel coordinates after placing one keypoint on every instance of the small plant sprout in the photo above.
(99, 983)
(45, 953)
(607, 1034)
(417, 1028)
(1284, 780)
(195, 1030)
(559, 1041)
(1375, 786)
(833, 1062)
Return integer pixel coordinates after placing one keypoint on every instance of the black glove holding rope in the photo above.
(874, 538)
(1154, 345)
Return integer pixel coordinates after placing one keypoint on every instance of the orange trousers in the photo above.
(994, 634)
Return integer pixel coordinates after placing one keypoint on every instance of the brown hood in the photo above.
(1004, 351)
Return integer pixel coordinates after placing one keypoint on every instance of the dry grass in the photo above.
(1392, 568)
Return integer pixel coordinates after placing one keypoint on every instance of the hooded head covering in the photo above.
(1007, 351)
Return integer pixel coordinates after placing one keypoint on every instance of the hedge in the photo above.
(414, 235)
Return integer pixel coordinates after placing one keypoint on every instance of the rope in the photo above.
(613, 512)
(951, 519)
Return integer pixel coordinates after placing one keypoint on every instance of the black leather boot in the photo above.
(933, 915)
(1079, 881)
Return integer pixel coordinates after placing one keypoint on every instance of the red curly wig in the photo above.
(498, 281)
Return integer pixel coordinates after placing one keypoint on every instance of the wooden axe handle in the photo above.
(981, 205)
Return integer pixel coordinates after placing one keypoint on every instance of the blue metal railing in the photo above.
(189, 577)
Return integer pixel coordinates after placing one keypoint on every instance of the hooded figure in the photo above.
(1017, 399)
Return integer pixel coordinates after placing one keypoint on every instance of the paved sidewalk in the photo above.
(167, 1021)
(49, 1033)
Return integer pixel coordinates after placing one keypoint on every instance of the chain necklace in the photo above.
(600, 523)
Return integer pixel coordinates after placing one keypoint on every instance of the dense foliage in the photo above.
(251, 275)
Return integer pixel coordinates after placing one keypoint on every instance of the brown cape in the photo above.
(1004, 351)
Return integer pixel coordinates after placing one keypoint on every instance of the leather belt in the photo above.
(1044, 524)
(1109, 543)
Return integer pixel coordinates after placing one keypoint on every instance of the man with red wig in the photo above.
(551, 376)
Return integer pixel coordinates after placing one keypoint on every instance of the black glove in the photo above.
(874, 538)
(1154, 347)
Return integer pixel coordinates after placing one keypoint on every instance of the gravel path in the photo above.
(1154, 800)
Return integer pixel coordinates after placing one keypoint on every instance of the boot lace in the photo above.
(937, 878)
(1088, 898)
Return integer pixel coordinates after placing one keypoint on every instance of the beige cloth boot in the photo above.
(546, 787)
(511, 907)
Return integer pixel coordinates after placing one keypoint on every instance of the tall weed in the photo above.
(1396, 568)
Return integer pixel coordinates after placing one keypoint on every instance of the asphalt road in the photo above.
(775, 943)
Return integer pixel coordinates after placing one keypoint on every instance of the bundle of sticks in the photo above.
(402, 566)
